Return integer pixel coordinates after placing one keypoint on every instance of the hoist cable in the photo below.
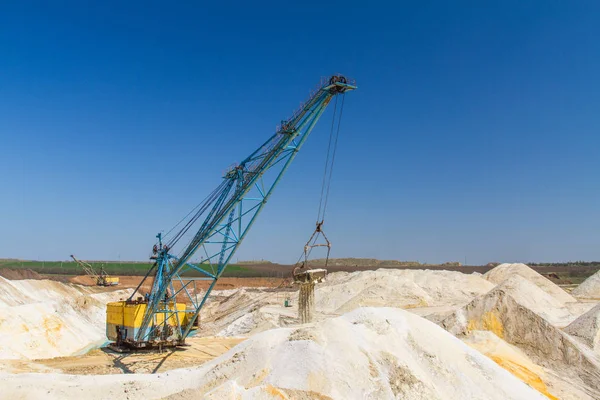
(337, 135)
(327, 160)
(327, 173)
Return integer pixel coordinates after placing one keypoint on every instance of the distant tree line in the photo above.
(568, 264)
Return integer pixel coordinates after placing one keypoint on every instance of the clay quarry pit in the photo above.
(510, 333)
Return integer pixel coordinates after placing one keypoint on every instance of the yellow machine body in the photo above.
(128, 318)
(108, 281)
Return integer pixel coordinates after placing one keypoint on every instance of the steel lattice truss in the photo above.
(228, 213)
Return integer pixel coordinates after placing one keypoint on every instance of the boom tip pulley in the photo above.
(340, 84)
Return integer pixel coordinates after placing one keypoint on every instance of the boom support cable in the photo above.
(191, 211)
(325, 188)
(204, 206)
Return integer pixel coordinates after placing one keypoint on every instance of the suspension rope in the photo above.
(337, 135)
(187, 215)
(334, 135)
(327, 159)
(306, 255)
(203, 207)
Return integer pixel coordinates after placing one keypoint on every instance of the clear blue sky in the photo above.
(474, 132)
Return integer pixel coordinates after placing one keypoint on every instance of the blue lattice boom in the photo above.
(222, 222)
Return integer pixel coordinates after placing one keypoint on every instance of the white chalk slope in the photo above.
(345, 291)
(245, 313)
(505, 271)
(587, 328)
(525, 316)
(46, 319)
(589, 289)
(369, 353)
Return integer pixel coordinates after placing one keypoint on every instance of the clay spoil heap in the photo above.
(505, 271)
(587, 328)
(589, 289)
(377, 353)
(46, 319)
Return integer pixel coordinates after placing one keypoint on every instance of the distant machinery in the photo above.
(168, 312)
(102, 278)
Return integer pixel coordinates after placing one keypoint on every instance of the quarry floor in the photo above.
(104, 361)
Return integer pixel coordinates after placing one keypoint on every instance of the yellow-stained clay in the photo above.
(259, 377)
(524, 374)
(488, 322)
(519, 365)
(273, 391)
(419, 304)
(52, 329)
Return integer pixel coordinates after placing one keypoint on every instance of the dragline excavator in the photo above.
(101, 278)
(190, 258)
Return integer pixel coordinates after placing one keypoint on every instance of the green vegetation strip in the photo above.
(112, 268)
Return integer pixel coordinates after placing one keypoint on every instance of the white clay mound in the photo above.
(369, 353)
(46, 319)
(505, 271)
(588, 289)
(521, 313)
(531, 296)
(344, 291)
(246, 313)
(587, 328)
